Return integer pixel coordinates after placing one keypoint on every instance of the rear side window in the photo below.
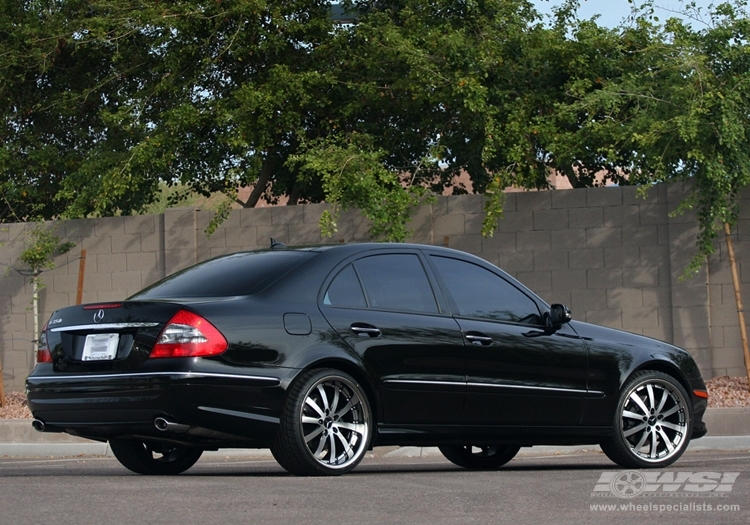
(230, 275)
(345, 290)
(481, 293)
(396, 282)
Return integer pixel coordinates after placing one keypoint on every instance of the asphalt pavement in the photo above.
(576, 488)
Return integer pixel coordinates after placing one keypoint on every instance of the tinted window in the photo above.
(396, 282)
(345, 290)
(237, 274)
(481, 293)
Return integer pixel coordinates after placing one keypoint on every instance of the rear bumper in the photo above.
(211, 409)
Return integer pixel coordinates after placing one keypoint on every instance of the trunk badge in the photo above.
(99, 316)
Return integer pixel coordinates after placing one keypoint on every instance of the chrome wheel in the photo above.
(654, 422)
(335, 422)
(326, 426)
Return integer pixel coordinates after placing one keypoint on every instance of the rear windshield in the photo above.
(226, 276)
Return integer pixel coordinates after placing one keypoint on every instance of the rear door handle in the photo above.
(365, 330)
(478, 339)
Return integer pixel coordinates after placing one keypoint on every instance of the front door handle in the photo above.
(365, 330)
(478, 339)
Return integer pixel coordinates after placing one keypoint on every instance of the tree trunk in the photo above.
(738, 299)
(265, 176)
(2, 387)
(293, 195)
(35, 307)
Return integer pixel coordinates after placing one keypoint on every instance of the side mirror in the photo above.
(559, 314)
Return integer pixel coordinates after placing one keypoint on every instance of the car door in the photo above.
(518, 372)
(385, 307)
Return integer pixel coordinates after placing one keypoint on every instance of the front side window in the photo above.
(481, 293)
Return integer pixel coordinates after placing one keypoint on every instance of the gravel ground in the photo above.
(723, 392)
(15, 407)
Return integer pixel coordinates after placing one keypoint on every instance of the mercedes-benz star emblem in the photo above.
(99, 316)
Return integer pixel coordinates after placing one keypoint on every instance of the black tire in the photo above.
(480, 458)
(326, 425)
(154, 458)
(653, 422)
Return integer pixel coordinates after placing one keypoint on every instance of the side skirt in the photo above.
(435, 435)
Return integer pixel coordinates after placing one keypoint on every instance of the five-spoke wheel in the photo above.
(653, 422)
(326, 425)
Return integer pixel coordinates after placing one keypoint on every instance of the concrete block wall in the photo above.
(616, 259)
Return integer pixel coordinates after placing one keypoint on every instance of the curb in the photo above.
(729, 430)
(702, 444)
(60, 449)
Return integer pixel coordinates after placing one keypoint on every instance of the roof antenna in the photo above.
(276, 245)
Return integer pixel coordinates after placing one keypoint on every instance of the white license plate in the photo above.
(100, 347)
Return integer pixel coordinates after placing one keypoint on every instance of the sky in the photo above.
(614, 11)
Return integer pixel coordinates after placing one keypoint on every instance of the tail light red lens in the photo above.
(189, 335)
(43, 354)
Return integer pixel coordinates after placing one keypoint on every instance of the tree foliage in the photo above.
(675, 105)
(43, 246)
(104, 102)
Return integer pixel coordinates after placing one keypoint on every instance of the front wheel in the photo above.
(154, 458)
(326, 425)
(653, 422)
(480, 458)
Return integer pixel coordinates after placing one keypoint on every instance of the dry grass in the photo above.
(723, 392)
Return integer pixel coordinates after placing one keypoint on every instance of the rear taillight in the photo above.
(189, 335)
(43, 354)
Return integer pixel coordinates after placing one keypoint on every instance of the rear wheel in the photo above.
(326, 425)
(154, 458)
(653, 422)
(480, 458)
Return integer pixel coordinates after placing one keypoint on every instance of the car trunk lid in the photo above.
(106, 337)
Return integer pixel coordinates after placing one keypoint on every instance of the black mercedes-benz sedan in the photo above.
(323, 353)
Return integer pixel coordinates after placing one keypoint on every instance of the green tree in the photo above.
(105, 99)
(43, 246)
(675, 106)
(220, 95)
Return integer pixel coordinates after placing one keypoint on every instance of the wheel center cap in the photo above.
(328, 422)
(652, 420)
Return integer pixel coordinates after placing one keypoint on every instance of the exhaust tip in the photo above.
(38, 425)
(164, 425)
